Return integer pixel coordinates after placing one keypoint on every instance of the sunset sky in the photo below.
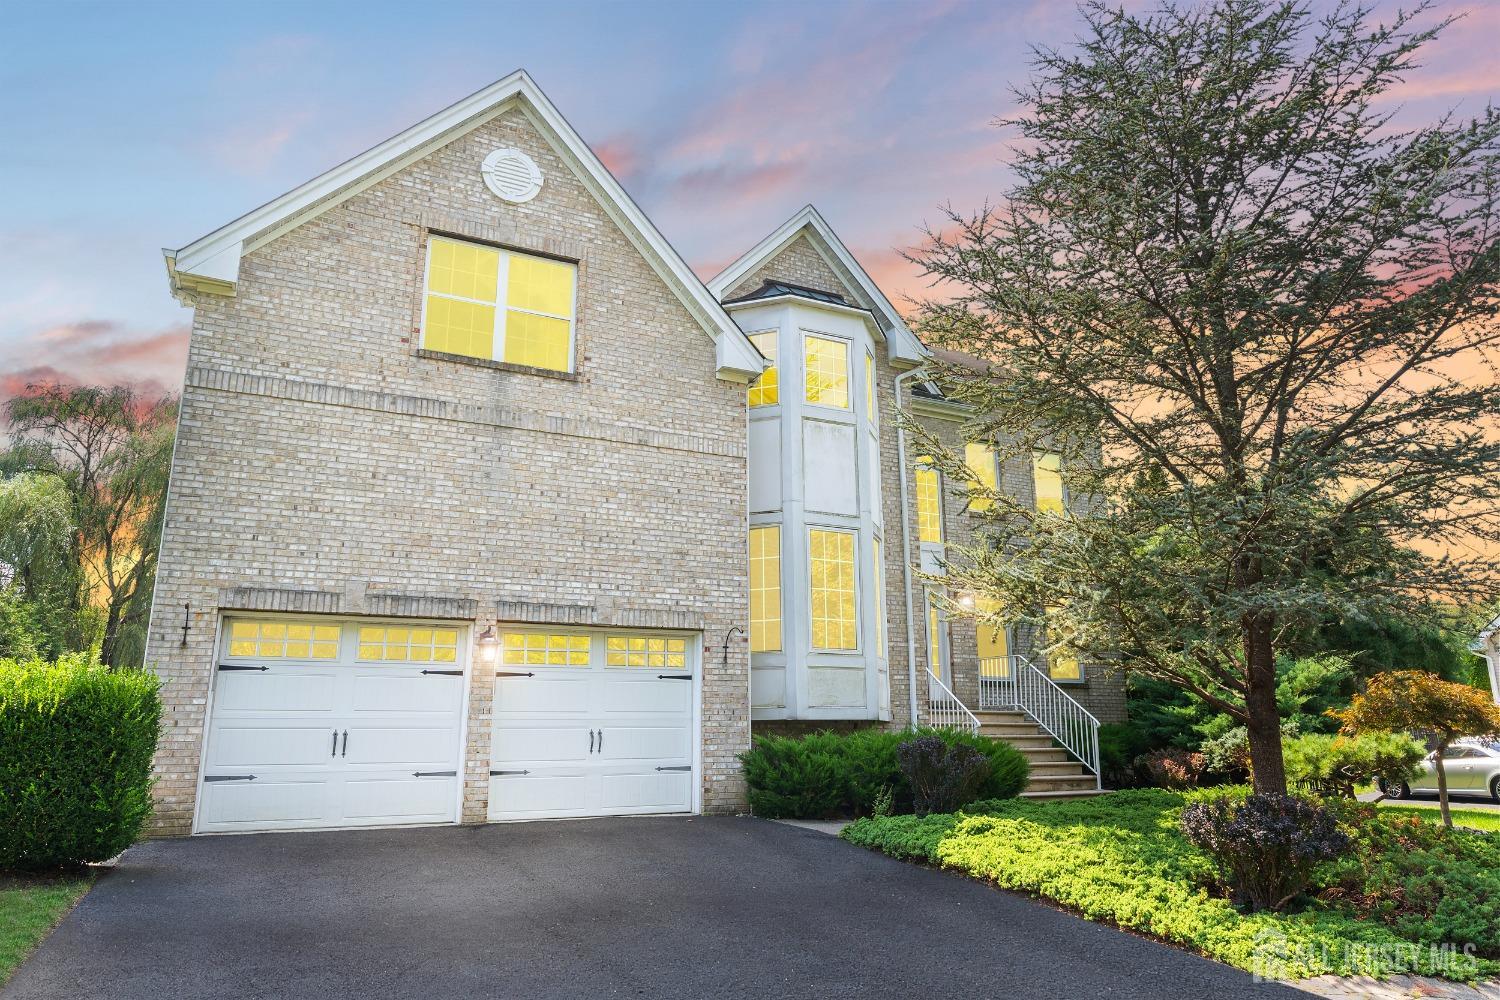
(135, 126)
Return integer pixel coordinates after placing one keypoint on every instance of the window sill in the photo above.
(504, 366)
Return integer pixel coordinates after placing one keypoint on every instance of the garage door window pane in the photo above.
(408, 644)
(644, 651)
(270, 639)
(542, 650)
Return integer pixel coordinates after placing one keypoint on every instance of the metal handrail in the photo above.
(1014, 682)
(947, 710)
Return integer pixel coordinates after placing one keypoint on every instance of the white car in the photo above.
(1472, 766)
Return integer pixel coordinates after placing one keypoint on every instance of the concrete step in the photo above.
(1035, 757)
(1059, 783)
(1071, 793)
(1007, 729)
(986, 718)
(1057, 768)
(1037, 741)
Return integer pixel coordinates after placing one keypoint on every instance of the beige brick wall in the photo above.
(322, 465)
(799, 264)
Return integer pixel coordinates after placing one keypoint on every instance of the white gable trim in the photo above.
(901, 344)
(211, 264)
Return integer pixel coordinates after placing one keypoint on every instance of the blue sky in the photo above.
(134, 126)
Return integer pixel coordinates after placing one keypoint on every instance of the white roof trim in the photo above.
(1485, 634)
(211, 263)
(901, 343)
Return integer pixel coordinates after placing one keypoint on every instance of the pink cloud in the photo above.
(619, 155)
(99, 352)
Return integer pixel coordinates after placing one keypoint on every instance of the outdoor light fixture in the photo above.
(489, 644)
(966, 601)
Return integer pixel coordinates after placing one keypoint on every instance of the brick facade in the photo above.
(322, 465)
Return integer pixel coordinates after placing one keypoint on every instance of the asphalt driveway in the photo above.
(692, 908)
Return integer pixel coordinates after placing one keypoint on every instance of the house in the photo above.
(1487, 645)
(484, 507)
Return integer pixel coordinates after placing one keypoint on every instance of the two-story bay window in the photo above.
(826, 371)
(984, 474)
(765, 588)
(1046, 472)
(767, 389)
(834, 613)
(929, 503)
(498, 305)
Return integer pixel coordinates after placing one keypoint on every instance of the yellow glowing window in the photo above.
(991, 640)
(934, 639)
(765, 589)
(878, 597)
(1046, 469)
(826, 372)
(542, 650)
(283, 640)
(984, 473)
(870, 387)
(834, 612)
(1065, 668)
(929, 503)
(767, 389)
(644, 651)
(408, 643)
(467, 285)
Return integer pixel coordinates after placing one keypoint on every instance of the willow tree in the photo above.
(1256, 316)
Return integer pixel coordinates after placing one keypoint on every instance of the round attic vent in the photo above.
(511, 174)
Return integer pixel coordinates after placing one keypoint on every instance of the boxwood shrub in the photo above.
(76, 742)
(844, 774)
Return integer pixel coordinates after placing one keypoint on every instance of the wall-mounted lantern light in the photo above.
(489, 645)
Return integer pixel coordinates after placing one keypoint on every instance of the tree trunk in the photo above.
(1442, 776)
(109, 646)
(1263, 721)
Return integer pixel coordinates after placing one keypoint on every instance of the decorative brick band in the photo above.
(421, 606)
(613, 431)
(278, 599)
(587, 614)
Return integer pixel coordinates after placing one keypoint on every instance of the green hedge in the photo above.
(844, 774)
(76, 743)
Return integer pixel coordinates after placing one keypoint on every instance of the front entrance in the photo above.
(594, 723)
(326, 722)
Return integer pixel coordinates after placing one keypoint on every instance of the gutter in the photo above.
(906, 575)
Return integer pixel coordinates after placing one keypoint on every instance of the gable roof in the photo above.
(777, 289)
(211, 263)
(901, 343)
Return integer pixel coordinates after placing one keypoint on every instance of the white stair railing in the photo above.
(944, 710)
(1008, 683)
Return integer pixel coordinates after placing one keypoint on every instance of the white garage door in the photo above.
(593, 724)
(333, 723)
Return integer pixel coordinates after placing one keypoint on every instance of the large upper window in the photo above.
(826, 370)
(980, 459)
(765, 589)
(767, 389)
(929, 503)
(1046, 470)
(497, 305)
(831, 576)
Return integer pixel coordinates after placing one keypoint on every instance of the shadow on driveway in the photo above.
(667, 907)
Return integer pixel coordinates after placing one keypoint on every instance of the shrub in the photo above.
(1173, 768)
(1121, 744)
(828, 774)
(1336, 765)
(942, 776)
(76, 743)
(1265, 846)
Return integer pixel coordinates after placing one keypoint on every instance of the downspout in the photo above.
(906, 576)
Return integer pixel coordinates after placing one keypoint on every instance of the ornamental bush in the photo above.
(942, 776)
(1337, 765)
(76, 742)
(1265, 846)
(847, 774)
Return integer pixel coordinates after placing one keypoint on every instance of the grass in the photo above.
(1407, 896)
(29, 908)
(1474, 819)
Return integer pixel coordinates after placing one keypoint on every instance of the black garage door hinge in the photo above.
(240, 666)
(510, 772)
(434, 774)
(513, 673)
(678, 767)
(228, 777)
(674, 677)
(450, 673)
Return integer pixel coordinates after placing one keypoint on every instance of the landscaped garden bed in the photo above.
(1408, 896)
